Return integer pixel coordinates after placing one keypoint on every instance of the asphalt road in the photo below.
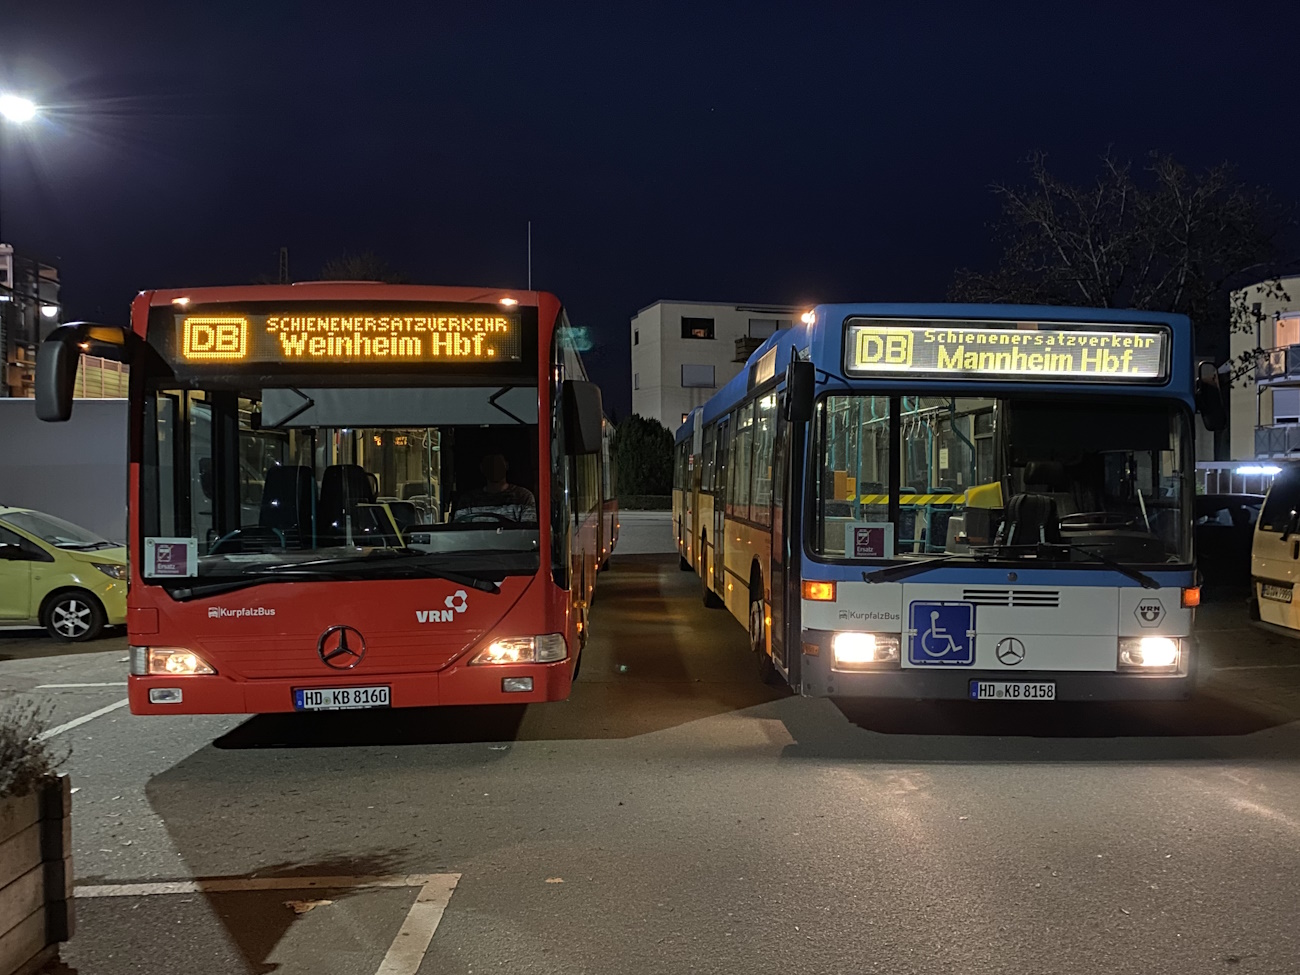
(676, 816)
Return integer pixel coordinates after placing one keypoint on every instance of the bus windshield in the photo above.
(290, 482)
(1005, 478)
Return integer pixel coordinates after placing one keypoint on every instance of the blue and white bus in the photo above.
(990, 502)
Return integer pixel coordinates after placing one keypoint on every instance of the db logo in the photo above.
(884, 347)
(214, 338)
(1149, 612)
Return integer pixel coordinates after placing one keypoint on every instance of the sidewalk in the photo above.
(645, 533)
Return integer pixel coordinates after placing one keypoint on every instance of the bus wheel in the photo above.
(757, 641)
(73, 616)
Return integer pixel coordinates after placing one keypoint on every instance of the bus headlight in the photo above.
(167, 662)
(1149, 653)
(545, 649)
(852, 650)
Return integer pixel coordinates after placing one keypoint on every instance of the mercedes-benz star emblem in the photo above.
(341, 647)
(1010, 651)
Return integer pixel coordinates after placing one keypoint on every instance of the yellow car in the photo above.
(59, 576)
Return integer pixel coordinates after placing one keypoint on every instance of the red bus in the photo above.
(350, 495)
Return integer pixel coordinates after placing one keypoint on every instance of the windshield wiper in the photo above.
(344, 564)
(1136, 574)
(892, 572)
(198, 591)
(1043, 551)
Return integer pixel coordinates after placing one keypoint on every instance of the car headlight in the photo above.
(544, 649)
(112, 571)
(167, 662)
(853, 650)
(1150, 654)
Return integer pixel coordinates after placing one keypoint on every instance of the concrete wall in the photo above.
(659, 352)
(75, 470)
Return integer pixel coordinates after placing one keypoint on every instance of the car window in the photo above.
(56, 531)
(1216, 516)
(1251, 511)
(1282, 502)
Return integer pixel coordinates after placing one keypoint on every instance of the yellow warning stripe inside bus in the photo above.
(912, 499)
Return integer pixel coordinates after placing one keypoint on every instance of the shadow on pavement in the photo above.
(253, 922)
(656, 660)
(34, 643)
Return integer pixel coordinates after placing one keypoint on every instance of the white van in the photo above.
(1275, 553)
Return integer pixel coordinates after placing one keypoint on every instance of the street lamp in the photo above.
(15, 109)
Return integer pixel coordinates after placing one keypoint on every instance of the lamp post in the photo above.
(16, 110)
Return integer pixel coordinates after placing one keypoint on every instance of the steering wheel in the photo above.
(255, 535)
(489, 516)
(1096, 520)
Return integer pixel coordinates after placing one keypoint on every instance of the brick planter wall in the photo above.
(35, 877)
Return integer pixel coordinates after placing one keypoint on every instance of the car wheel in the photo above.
(73, 617)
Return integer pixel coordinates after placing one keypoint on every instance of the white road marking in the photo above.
(111, 683)
(1259, 667)
(77, 722)
(412, 942)
(405, 953)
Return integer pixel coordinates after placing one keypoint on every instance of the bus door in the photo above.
(785, 548)
(720, 508)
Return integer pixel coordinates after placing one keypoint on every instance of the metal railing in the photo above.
(1280, 363)
(1235, 477)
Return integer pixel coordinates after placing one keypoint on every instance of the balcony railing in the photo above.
(1283, 363)
(1280, 440)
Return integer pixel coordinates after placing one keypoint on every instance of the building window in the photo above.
(684, 416)
(636, 336)
(636, 380)
(761, 328)
(697, 328)
(697, 377)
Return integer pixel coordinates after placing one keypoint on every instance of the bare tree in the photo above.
(1163, 239)
(365, 266)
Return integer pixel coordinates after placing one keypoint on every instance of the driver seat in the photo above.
(1031, 519)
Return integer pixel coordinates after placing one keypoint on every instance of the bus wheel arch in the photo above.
(758, 626)
(711, 599)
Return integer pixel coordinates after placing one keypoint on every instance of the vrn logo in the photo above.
(457, 602)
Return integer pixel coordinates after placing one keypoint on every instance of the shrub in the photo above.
(25, 759)
(644, 449)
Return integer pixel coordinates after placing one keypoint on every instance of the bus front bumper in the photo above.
(952, 684)
(458, 685)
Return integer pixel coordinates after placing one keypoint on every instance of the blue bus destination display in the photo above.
(1006, 350)
(430, 335)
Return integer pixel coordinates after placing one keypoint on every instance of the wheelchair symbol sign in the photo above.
(942, 634)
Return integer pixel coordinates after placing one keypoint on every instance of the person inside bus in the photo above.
(497, 499)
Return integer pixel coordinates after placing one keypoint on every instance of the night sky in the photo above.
(732, 152)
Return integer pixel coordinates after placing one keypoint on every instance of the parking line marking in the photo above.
(111, 683)
(404, 955)
(1259, 667)
(77, 722)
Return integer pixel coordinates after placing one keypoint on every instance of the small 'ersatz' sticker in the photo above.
(176, 558)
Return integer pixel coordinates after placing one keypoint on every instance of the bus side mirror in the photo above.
(1209, 398)
(56, 374)
(583, 417)
(59, 354)
(800, 378)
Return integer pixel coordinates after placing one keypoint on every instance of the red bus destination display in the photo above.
(424, 335)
